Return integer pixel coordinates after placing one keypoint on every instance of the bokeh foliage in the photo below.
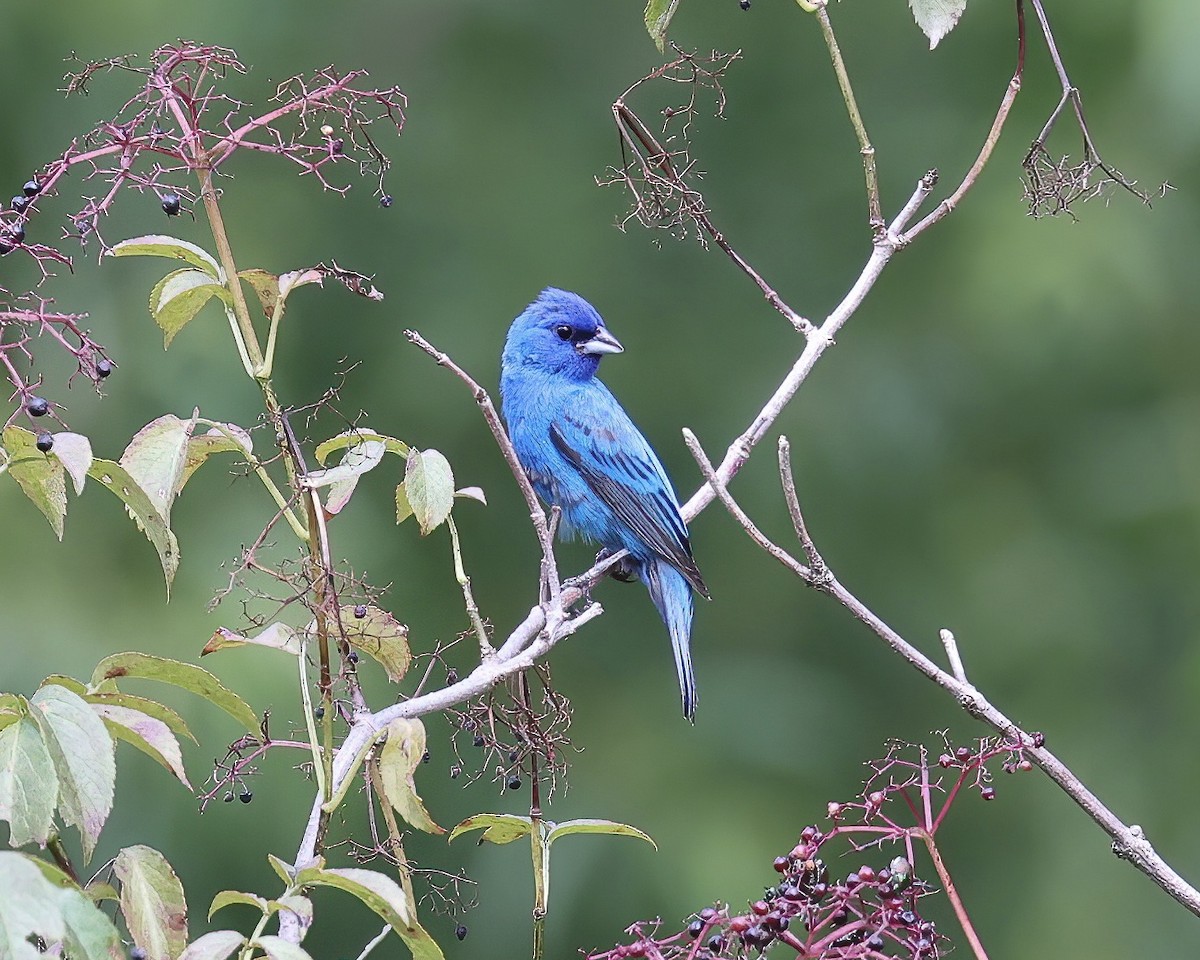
(1003, 441)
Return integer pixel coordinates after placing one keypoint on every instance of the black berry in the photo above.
(360, 611)
(5, 247)
(20, 203)
(988, 793)
(963, 754)
(104, 368)
(452, 675)
(37, 406)
(245, 796)
(478, 741)
(514, 782)
(716, 943)
(695, 928)
(512, 756)
(425, 757)
(16, 234)
(319, 713)
(45, 442)
(455, 771)
(386, 200)
(744, 4)
(31, 188)
(352, 656)
(461, 931)
(337, 146)
(229, 798)
(137, 953)
(170, 204)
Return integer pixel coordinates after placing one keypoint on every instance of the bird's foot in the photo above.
(625, 569)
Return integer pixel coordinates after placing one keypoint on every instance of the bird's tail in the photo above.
(673, 597)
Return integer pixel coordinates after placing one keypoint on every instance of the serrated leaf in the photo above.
(155, 458)
(152, 902)
(279, 949)
(377, 891)
(265, 286)
(39, 476)
(936, 18)
(28, 908)
(284, 870)
(404, 509)
(213, 946)
(158, 245)
(229, 897)
(429, 484)
(28, 784)
(178, 297)
(200, 448)
(398, 760)
(356, 436)
(151, 708)
(380, 636)
(83, 754)
(610, 827)
(74, 452)
(277, 636)
(497, 827)
(658, 16)
(116, 479)
(188, 676)
(149, 735)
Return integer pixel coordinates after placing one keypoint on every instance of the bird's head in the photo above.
(559, 332)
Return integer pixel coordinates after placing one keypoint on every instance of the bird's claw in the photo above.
(624, 569)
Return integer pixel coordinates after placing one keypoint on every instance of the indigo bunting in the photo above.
(584, 455)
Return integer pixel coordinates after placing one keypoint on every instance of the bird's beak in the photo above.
(601, 342)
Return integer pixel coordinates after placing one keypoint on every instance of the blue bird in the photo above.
(584, 455)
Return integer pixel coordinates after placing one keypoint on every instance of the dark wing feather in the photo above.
(651, 514)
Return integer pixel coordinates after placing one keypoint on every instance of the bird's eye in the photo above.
(564, 332)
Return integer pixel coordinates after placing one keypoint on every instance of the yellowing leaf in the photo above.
(148, 734)
(398, 760)
(152, 902)
(157, 245)
(39, 475)
(380, 636)
(178, 297)
(376, 890)
(497, 827)
(277, 636)
(658, 16)
(150, 521)
(74, 452)
(28, 783)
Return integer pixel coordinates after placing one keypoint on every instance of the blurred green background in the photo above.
(1004, 441)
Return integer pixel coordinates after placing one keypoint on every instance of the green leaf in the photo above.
(265, 286)
(152, 708)
(610, 827)
(216, 440)
(658, 16)
(279, 949)
(356, 436)
(228, 897)
(152, 902)
(497, 827)
(90, 934)
(936, 18)
(277, 636)
(153, 737)
(74, 452)
(28, 784)
(213, 946)
(420, 944)
(429, 483)
(380, 636)
(69, 682)
(471, 493)
(39, 475)
(157, 245)
(178, 297)
(29, 907)
(188, 676)
(284, 870)
(403, 507)
(155, 458)
(398, 760)
(377, 891)
(152, 523)
(83, 754)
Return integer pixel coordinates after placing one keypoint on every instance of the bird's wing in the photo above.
(618, 466)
